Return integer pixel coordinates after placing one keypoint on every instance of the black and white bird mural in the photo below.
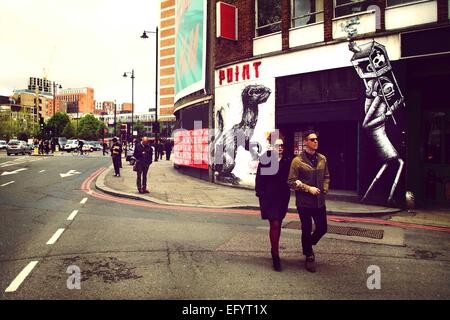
(225, 143)
(383, 99)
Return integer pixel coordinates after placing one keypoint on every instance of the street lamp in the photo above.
(132, 98)
(55, 86)
(144, 36)
(115, 124)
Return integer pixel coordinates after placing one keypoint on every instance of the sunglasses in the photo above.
(313, 139)
(279, 145)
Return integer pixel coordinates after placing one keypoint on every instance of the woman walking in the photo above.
(273, 191)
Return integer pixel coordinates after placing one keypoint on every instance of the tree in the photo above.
(89, 127)
(68, 131)
(58, 122)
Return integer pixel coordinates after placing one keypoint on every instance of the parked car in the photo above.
(93, 146)
(29, 148)
(71, 145)
(62, 141)
(3, 144)
(16, 147)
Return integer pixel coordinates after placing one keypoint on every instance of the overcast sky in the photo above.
(80, 43)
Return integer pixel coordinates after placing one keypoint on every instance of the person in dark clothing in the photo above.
(41, 147)
(80, 146)
(168, 149)
(53, 145)
(116, 154)
(310, 177)
(143, 154)
(105, 148)
(160, 148)
(273, 192)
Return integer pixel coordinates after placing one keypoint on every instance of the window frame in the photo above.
(349, 2)
(293, 18)
(257, 27)
(410, 2)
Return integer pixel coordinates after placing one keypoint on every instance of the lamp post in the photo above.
(132, 98)
(55, 86)
(144, 36)
(115, 124)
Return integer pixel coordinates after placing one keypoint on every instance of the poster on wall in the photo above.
(190, 47)
(244, 114)
(191, 148)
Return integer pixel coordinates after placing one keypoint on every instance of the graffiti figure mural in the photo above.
(383, 99)
(226, 142)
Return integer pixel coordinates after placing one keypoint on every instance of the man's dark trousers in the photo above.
(142, 170)
(319, 215)
(116, 163)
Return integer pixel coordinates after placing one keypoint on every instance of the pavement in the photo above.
(168, 186)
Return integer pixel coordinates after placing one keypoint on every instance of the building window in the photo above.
(346, 7)
(268, 17)
(318, 87)
(391, 3)
(306, 12)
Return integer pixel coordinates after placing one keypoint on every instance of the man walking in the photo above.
(143, 154)
(168, 149)
(310, 177)
(116, 154)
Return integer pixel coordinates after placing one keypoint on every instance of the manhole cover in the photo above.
(342, 230)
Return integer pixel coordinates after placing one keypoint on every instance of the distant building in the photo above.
(79, 101)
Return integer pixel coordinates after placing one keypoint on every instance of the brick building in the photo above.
(295, 55)
(76, 101)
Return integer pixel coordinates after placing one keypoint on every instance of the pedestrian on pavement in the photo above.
(53, 145)
(116, 155)
(168, 149)
(143, 154)
(46, 147)
(160, 147)
(105, 148)
(310, 177)
(273, 192)
(41, 146)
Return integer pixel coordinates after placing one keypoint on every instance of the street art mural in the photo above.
(383, 100)
(243, 115)
(227, 141)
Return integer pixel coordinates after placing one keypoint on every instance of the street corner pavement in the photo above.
(168, 186)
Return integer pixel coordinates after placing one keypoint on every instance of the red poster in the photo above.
(191, 148)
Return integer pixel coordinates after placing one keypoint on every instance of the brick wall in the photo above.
(228, 50)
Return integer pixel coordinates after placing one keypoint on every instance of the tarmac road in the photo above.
(125, 250)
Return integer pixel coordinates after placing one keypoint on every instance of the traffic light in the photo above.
(41, 123)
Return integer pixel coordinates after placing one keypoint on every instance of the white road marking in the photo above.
(6, 173)
(84, 200)
(41, 171)
(55, 237)
(17, 162)
(21, 277)
(69, 173)
(72, 215)
(5, 184)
